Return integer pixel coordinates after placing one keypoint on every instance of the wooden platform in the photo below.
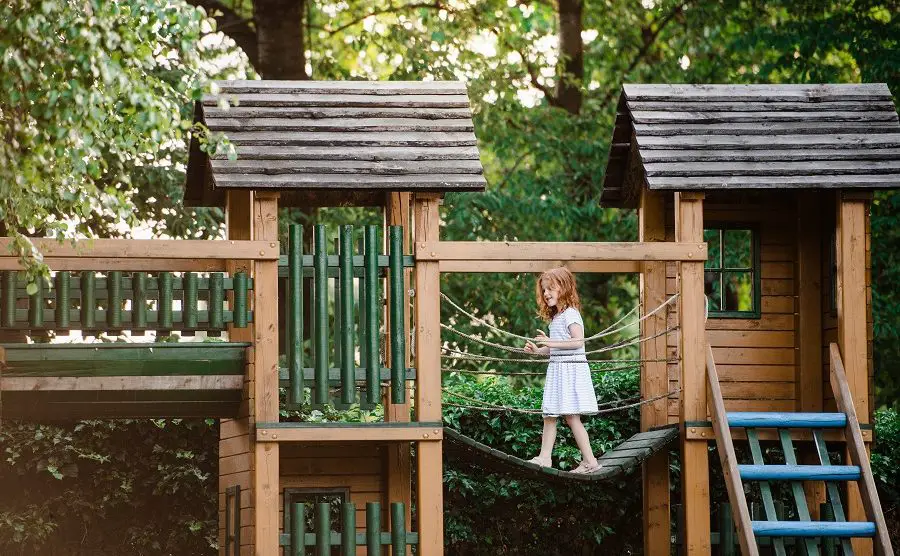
(58, 382)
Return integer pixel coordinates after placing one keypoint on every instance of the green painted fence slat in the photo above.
(295, 313)
(323, 529)
(348, 349)
(835, 507)
(348, 529)
(298, 529)
(8, 308)
(765, 489)
(216, 300)
(189, 309)
(362, 305)
(165, 300)
(61, 317)
(373, 529)
(36, 305)
(114, 308)
(727, 535)
(320, 294)
(88, 301)
(370, 287)
(139, 301)
(398, 341)
(398, 528)
(787, 446)
(240, 300)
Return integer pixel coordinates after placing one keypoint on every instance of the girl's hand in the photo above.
(530, 347)
(541, 338)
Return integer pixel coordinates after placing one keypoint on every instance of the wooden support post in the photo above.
(429, 490)
(808, 338)
(851, 291)
(654, 379)
(692, 343)
(399, 458)
(265, 363)
(236, 445)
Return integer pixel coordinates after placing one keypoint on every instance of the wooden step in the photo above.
(799, 472)
(845, 529)
(781, 420)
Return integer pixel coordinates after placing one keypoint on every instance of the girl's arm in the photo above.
(530, 347)
(575, 330)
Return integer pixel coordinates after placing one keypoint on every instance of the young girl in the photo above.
(568, 389)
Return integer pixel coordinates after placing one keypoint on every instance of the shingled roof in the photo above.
(703, 137)
(322, 136)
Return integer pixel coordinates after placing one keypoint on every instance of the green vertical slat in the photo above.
(166, 295)
(370, 286)
(398, 528)
(88, 300)
(9, 298)
(139, 300)
(320, 291)
(62, 281)
(240, 300)
(765, 489)
(348, 529)
(323, 529)
(36, 305)
(834, 493)
(727, 536)
(295, 313)
(787, 446)
(348, 349)
(398, 340)
(361, 304)
(216, 300)
(337, 310)
(114, 301)
(298, 529)
(189, 307)
(829, 544)
(373, 529)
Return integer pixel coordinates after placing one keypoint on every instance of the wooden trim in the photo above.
(119, 383)
(361, 433)
(128, 265)
(473, 265)
(732, 476)
(705, 431)
(857, 450)
(432, 250)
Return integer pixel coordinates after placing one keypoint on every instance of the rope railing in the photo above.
(466, 356)
(486, 406)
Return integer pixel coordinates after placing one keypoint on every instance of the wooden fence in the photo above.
(322, 538)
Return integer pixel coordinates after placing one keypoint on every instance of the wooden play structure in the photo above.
(753, 204)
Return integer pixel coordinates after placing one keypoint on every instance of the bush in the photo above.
(886, 467)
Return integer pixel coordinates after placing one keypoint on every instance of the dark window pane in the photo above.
(711, 237)
(713, 290)
(738, 249)
(738, 292)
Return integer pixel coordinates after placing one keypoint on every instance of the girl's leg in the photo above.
(581, 438)
(548, 438)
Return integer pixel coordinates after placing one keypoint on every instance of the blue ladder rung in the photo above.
(843, 529)
(799, 472)
(775, 420)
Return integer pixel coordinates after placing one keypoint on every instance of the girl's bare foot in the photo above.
(541, 461)
(586, 468)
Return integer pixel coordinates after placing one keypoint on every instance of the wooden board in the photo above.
(381, 432)
(554, 251)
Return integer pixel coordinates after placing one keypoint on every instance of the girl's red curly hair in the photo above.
(563, 279)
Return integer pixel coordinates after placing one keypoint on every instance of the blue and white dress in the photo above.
(568, 388)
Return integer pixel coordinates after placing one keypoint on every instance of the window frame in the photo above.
(755, 269)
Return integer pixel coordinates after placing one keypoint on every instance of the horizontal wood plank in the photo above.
(769, 143)
(212, 113)
(425, 182)
(759, 117)
(482, 266)
(784, 155)
(768, 93)
(352, 139)
(398, 167)
(762, 105)
(341, 124)
(555, 251)
(121, 383)
(161, 249)
(282, 99)
(372, 154)
(772, 168)
(357, 433)
(774, 182)
(343, 87)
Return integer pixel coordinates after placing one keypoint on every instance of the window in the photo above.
(731, 277)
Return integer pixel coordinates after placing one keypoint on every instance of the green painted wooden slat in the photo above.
(348, 349)
(240, 300)
(216, 300)
(320, 328)
(8, 302)
(790, 458)
(398, 528)
(829, 544)
(139, 300)
(370, 287)
(333, 263)
(189, 307)
(336, 348)
(61, 317)
(165, 301)
(834, 494)
(114, 308)
(36, 305)
(765, 489)
(373, 529)
(362, 305)
(323, 529)
(727, 536)
(295, 314)
(348, 529)
(398, 340)
(88, 300)
(298, 529)
(127, 316)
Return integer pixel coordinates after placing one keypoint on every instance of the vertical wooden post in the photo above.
(808, 326)
(399, 458)
(235, 441)
(692, 343)
(429, 490)
(654, 378)
(265, 362)
(852, 309)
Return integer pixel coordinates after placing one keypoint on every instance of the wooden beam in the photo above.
(430, 491)
(474, 265)
(692, 344)
(851, 291)
(432, 432)
(120, 383)
(856, 447)
(705, 432)
(555, 251)
(654, 378)
(128, 265)
(265, 369)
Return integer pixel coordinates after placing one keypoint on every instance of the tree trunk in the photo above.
(571, 50)
(280, 39)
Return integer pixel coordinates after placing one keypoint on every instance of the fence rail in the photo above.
(323, 538)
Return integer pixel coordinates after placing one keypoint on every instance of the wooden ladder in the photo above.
(804, 529)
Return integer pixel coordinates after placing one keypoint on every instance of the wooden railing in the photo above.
(323, 538)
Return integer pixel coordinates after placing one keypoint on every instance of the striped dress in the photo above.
(568, 388)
